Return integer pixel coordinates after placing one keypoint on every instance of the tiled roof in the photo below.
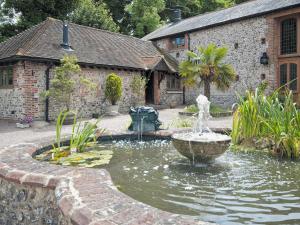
(90, 45)
(245, 10)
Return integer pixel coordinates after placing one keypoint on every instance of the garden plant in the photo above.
(271, 120)
(77, 151)
(67, 80)
(113, 88)
(207, 64)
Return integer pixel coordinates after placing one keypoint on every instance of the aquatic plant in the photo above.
(59, 123)
(269, 118)
(84, 135)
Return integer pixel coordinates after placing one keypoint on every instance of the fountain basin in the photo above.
(201, 147)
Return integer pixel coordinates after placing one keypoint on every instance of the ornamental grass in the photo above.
(274, 119)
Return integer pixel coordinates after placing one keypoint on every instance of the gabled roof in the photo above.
(246, 10)
(90, 45)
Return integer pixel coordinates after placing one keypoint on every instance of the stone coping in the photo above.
(85, 196)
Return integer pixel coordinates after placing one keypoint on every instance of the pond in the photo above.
(238, 188)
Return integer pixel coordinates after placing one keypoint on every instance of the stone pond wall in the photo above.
(28, 205)
(39, 193)
(244, 40)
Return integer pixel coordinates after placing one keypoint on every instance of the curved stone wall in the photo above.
(67, 195)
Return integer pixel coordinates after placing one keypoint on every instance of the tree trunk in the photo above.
(207, 89)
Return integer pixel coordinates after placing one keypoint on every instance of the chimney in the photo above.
(176, 15)
(65, 43)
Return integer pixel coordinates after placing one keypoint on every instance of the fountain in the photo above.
(201, 145)
(144, 119)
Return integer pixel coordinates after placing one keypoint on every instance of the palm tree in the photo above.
(207, 64)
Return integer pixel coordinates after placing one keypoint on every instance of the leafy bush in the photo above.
(113, 88)
(138, 85)
(191, 109)
(267, 118)
(63, 85)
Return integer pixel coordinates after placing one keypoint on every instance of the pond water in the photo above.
(238, 188)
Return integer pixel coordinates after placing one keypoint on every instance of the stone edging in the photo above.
(85, 196)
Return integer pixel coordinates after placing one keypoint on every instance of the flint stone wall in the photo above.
(28, 205)
(24, 99)
(245, 47)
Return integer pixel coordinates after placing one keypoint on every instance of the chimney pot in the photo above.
(176, 15)
(65, 43)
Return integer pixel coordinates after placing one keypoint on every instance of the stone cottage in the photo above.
(27, 63)
(263, 38)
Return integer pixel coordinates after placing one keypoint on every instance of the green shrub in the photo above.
(113, 88)
(138, 85)
(191, 109)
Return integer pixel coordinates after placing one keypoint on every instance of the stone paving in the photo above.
(9, 134)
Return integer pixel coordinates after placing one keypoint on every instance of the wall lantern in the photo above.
(264, 60)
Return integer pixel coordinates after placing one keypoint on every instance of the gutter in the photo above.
(183, 90)
(47, 77)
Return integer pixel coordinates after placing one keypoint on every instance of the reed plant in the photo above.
(262, 117)
(84, 134)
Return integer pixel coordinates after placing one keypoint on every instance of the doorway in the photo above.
(149, 92)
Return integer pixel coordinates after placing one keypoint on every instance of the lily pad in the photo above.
(89, 159)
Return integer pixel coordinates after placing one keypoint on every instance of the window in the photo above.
(178, 42)
(288, 36)
(6, 77)
(288, 75)
(293, 77)
(283, 75)
(173, 83)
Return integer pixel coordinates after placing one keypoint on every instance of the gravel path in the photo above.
(10, 135)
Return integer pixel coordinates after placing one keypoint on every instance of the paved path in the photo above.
(10, 135)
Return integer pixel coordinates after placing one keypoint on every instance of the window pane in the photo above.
(293, 77)
(1, 78)
(4, 77)
(9, 76)
(178, 41)
(168, 83)
(283, 74)
(173, 83)
(289, 36)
